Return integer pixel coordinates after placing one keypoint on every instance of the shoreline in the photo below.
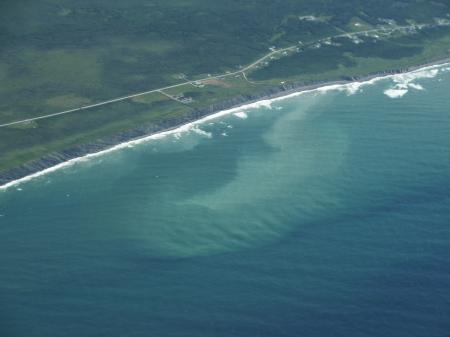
(58, 160)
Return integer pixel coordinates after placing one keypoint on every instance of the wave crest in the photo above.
(349, 88)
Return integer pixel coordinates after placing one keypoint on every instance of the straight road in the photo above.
(240, 71)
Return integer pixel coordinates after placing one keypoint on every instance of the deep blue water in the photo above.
(327, 215)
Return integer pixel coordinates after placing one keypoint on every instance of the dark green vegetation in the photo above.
(58, 55)
(345, 58)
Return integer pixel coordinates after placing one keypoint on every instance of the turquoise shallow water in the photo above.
(327, 215)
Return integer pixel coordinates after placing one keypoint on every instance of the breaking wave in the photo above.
(241, 114)
(403, 82)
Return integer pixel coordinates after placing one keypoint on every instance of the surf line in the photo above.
(351, 88)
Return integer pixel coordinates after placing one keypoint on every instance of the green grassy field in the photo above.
(58, 55)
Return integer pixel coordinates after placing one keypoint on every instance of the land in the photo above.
(78, 78)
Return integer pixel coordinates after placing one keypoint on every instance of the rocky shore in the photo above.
(57, 158)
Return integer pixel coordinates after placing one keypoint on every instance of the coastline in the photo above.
(58, 160)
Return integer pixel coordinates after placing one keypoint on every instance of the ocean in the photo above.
(322, 214)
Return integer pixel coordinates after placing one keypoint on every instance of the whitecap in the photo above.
(406, 80)
(201, 132)
(416, 86)
(403, 82)
(241, 114)
(349, 88)
(396, 93)
(353, 88)
(266, 103)
(428, 72)
(328, 88)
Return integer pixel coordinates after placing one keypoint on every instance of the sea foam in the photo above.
(395, 93)
(349, 88)
(404, 82)
(241, 114)
(201, 132)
